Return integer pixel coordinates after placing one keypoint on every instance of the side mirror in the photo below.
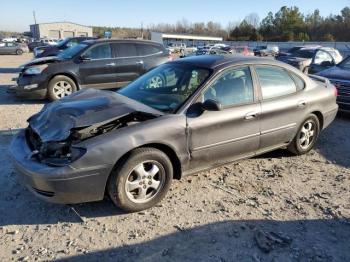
(211, 105)
(85, 58)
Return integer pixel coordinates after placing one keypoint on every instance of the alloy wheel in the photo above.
(62, 89)
(307, 134)
(144, 181)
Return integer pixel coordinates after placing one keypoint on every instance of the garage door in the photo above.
(68, 34)
(55, 34)
(82, 34)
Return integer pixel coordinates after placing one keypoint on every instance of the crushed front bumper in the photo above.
(31, 86)
(64, 185)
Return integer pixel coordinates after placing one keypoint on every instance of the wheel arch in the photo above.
(71, 76)
(320, 118)
(168, 150)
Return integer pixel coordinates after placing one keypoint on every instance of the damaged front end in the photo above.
(64, 152)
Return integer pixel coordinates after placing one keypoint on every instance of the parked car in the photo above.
(212, 50)
(132, 143)
(9, 39)
(176, 47)
(296, 48)
(92, 63)
(242, 50)
(266, 50)
(48, 41)
(54, 50)
(339, 75)
(35, 44)
(8, 48)
(311, 60)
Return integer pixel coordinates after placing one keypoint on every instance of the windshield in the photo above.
(63, 42)
(304, 54)
(166, 87)
(71, 51)
(345, 64)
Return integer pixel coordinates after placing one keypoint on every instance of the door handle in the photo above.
(139, 62)
(111, 64)
(302, 103)
(251, 115)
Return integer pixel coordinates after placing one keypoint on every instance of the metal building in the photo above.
(166, 38)
(59, 30)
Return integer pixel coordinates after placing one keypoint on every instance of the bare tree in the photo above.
(253, 19)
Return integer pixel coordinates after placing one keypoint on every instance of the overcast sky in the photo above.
(16, 15)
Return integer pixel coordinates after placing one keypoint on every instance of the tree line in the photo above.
(287, 24)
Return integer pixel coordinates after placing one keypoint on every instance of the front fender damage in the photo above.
(60, 153)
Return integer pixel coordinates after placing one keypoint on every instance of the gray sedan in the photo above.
(9, 48)
(207, 111)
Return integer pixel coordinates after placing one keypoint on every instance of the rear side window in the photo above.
(275, 81)
(147, 49)
(99, 52)
(298, 81)
(125, 49)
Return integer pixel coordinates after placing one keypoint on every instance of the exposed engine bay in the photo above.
(58, 153)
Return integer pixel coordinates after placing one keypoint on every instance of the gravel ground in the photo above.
(275, 207)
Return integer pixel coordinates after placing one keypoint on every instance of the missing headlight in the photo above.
(62, 158)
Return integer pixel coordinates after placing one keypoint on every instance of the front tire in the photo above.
(141, 180)
(60, 86)
(306, 137)
(19, 52)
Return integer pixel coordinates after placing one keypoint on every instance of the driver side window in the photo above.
(102, 51)
(234, 87)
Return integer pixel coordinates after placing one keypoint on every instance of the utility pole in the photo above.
(141, 30)
(35, 26)
(34, 17)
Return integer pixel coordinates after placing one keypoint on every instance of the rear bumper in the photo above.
(329, 116)
(64, 185)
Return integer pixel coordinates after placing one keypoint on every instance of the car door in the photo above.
(217, 137)
(98, 68)
(321, 61)
(129, 65)
(9, 48)
(283, 105)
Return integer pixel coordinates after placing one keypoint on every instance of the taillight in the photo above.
(335, 90)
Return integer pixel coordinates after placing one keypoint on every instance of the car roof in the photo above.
(218, 61)
(117, 40)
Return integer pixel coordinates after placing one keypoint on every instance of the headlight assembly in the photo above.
(35, 70)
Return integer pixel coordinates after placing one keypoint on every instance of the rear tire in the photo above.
(141, 180)
(306, 137)
(19, 52)
(60, 86)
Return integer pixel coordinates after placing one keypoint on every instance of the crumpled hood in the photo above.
(336, 72)
(82, 109)
(42, 60)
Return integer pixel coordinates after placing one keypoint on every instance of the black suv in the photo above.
(93, 63)
(53, 50)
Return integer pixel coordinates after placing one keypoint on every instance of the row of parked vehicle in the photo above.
(79, 62)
